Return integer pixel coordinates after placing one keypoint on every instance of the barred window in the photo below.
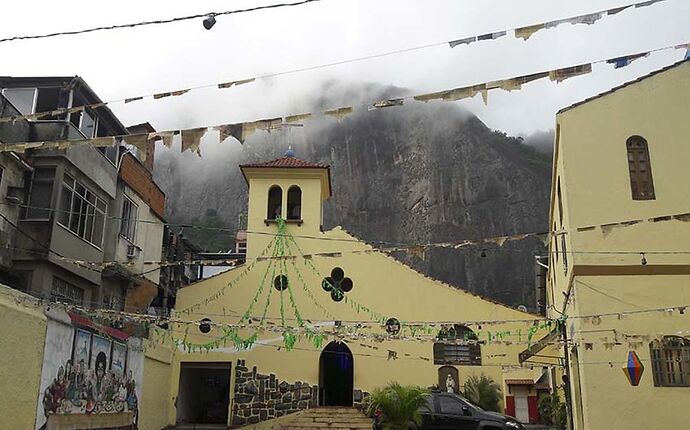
(63, 291)
(81, 211)
(458, 345)
(671, 361)
(128, 228)
(114, 301)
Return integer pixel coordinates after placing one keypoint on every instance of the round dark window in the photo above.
(346, 284)
(205, 325)
(280, 282)
(337, 295)
(337, 274)
(327, 284)
(392, 326)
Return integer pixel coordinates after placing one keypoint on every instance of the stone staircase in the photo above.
(334, 418)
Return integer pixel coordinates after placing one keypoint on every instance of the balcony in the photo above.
(54, 130)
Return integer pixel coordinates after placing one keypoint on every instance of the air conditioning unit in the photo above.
(132, 251)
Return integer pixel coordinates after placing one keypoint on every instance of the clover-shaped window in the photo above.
(338, 284)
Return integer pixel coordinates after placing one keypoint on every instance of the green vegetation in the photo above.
(552, 410)
(483, 392)
(398, 404)
(210, 240)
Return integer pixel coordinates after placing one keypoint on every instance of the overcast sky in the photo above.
(123, 63)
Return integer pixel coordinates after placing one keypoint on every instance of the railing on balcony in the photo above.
(46, 130)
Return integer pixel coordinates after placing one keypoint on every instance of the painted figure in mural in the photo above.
(100, 373)
(450, 384)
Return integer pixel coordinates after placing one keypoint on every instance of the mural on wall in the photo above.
(94, 381)
(448, 379)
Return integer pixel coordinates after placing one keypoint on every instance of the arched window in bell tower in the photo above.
(275, 202)
(294, 203)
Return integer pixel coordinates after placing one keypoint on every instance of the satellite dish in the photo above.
(522, 308)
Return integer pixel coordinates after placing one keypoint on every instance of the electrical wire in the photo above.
(153, 22)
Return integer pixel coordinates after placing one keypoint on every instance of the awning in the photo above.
(539, 345)
(86, 322)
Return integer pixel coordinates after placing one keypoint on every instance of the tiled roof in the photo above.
(519, 382)
(641, 78)
(287, 162)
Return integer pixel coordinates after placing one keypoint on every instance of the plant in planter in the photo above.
(397, 406)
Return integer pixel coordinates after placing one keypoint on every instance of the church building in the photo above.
(321, 318)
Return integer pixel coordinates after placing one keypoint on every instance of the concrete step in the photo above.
(291, 427)
(339, 423)
(332, 418)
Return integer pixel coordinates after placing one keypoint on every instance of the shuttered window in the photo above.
(457, 345)
(671, 361)
(641, 183)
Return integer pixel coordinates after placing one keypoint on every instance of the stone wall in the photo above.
(260, 397)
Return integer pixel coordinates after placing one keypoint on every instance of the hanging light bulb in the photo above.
(209, 21)
(644, 260)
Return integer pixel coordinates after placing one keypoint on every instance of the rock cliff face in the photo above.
(409, 175)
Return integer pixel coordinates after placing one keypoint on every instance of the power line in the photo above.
(297, 70)
(158, 21)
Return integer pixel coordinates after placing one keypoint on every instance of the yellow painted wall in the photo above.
(22, 336)
(155, 402)
(591, 162)
(380, 282)
(604, 387)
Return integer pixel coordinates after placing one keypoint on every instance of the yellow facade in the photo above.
(596, 262)
(155, 397)
(23, 330)
(380, 283)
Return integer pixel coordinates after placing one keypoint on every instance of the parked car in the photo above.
(446, 411)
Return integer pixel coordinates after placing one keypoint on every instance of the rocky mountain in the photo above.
(419, 173)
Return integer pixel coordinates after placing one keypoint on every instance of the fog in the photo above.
(129, 62)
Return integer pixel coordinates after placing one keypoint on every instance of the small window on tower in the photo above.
(641, 184)
(294, 203)
(275, 202)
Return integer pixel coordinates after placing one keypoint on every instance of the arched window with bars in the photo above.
(458, 345)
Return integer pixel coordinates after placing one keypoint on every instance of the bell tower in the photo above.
(287, 188)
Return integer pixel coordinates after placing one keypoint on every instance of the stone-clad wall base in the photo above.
(260, 397)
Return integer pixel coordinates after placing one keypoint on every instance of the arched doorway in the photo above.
(336, 375)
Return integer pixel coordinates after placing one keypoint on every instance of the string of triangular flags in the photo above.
(191, 138)
(524, 33)
(415, 250)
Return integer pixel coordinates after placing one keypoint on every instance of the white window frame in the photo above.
(92, 210)
(128, 225)
(33, 103)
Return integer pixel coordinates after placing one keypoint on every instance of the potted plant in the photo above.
(396, 407)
